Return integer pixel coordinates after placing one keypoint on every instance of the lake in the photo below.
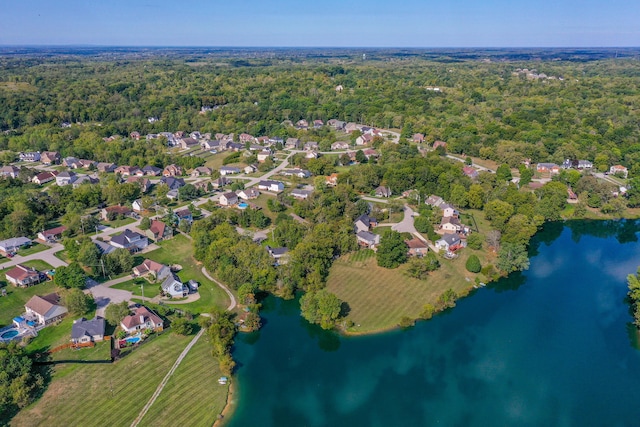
(552, 346)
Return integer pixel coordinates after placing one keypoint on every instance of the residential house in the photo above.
(417, 247)
(50, 158)
(71, 163)
(434, 201)
(584, 164)
(228, 199)
(364, 222)
(135, 135)
(9, 171)
(66, 178)
(311, 146)
(186, 143)
(141, 319)
(451, 224)
(370, 152)
(277, 253)
(317, 124)
(382, 191)
(619, 169)
(448, 210)
(350, 127)
(85, 179)
(11, 246)
(340, 145)
(52, 235)
(235, 146)
(470, 172)
(45, 309)
(43, 178)
(196, 135)
(332, 180)
(85, 331)
(130, 240)
(263, 156)
(301, 194)
(300, 173)
(418, 138)
(245, 137)
(248, 193)
(151, 170)
(29, 156)
(200, 171)
(302, 124)
(105, 167)
(221, 182)
(184, 215)
(86, 164)
(449, 242)
(251, 169)
(364, 139)
(292, 144)
(172, 170)
(193, 285)
(229, 170)
(172, 183)
(153, 119)
(274, 140)
(150, 267)
(336, 124)
(275, 186)
(438, 144)
(126, 170)
(159, 230)
(144, 183)
(104, 247)
(210, 145)
(23, 276)
(256, 147)
(137, 205)
(550, 168)
(367, 239)
(111, 212)
(173, 287)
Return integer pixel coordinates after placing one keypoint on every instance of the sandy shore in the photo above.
(229, 407)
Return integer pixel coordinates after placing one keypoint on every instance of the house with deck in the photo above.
(130, 240)
(173, 286)
(159, 230)
(52, 235)
(23, 276)
(45, 310)
(150, 267)
(85, 331)
(142, 319)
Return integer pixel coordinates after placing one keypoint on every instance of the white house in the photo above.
(174, 287)
(275, 186)
(228, 199)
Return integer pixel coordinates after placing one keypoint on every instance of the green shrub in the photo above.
(473, 264)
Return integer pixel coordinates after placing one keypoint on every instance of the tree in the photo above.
(114, 313)
(71, 276)
(89, 254)
(419, 268)
(475, 196)
(392, 250)
(360, 157)
(474, 241)
(525, 175)
(633, 283)
(513, 257)
(459, 196)
(503, 173)
(473, 264)
(77, 302)
(19, 382)
(321, 307)
(118, 261)
(493, 239)
(446, 300)
(498, 212)
(422, 224)
(145, 223)
(181, 326)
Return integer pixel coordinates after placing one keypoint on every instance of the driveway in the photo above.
(406, 225)
(104, 296)
(46, 256)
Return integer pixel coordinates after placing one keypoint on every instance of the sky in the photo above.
(323, 23)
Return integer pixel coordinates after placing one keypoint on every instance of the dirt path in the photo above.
(232, 304)
(166, 379)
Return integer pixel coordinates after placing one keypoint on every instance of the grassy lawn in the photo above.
(102, 351)
(34, 249)
(134, 286)
(38, 264)
(104, 394)
(179, 251)
(197, 377)
(378, 298)
(13, 304)
(53, 335)
(118, 222)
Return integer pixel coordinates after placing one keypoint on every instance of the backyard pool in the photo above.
(132, 340)
(242, 206)
(7, 335)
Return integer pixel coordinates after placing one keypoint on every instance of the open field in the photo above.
(179, 251)
(118, 222)
(38, 264)
(196, 377)
(34, 249)
(134, 286)
(378, 297)
(12, 305)
(104, 394)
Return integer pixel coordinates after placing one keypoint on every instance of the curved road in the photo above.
(232, 304)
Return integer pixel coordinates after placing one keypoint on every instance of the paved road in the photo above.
(166, 378)
(47, 256)
(475, 165)
(232, 304)
(374, 199)
(406, 225)
(104, 296)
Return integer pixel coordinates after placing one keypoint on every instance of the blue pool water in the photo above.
(243, 205)
(132, 340)
(9, 334)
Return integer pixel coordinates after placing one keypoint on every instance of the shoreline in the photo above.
(229, 407)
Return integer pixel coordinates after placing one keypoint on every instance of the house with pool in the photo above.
(141, 320)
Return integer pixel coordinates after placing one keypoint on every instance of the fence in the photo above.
(71, 345)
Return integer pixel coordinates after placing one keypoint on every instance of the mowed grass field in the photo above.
(192, 397)
(378, 297)
(105, 394)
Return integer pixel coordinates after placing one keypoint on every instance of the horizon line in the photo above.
(33, 45)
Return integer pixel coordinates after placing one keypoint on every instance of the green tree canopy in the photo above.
(321, 307)
(392, 250)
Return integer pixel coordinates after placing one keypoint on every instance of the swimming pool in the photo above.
(7, 335)
(132, 340)
(243, 205)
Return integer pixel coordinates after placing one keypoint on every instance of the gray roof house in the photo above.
(368, 239)
(174, 287)
(12, 245)
(364, 222)
(84, 330)
(130, 240)
(447, 241)
(172, 183)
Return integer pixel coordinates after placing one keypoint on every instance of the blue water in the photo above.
(9, 334)
(132, 340)
(243, 205)
(552, 346)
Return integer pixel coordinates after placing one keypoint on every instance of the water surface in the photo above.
(549, 347)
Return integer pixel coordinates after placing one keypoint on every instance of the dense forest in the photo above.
(486, 109)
